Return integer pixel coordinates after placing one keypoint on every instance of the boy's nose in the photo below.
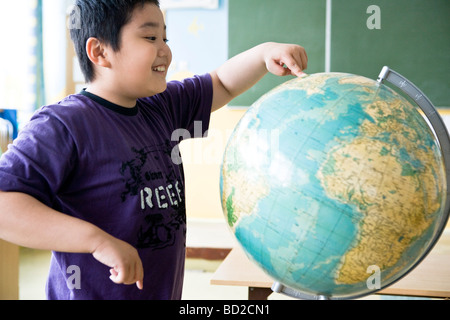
(164, 51)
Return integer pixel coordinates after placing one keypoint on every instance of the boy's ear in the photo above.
(97, 53)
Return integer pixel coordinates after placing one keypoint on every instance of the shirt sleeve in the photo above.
(39, 160)
(189, 104)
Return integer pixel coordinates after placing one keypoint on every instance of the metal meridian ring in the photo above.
(442, 136)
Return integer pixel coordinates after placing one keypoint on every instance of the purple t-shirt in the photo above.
(118, 169)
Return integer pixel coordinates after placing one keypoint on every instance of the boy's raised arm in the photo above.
(242, 72)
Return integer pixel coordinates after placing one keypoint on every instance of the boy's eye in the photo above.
(155, 38)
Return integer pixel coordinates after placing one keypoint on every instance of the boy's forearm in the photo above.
(237, 75)
(27, 222)
(243, 71)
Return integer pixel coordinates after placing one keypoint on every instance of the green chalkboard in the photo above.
(414, 40)
(252, 22)
(410, 36)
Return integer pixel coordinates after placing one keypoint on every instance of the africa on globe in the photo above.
(329, 177)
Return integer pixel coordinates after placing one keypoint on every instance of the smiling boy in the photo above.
(91, 178)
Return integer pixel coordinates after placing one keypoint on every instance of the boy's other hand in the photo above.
(124, 261)
(286, 59)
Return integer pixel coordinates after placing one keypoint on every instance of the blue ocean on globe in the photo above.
(328, 176)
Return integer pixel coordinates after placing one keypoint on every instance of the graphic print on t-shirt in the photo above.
(160, 192)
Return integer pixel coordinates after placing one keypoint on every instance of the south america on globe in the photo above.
(331, 177)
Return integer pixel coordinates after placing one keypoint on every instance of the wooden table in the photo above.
(9, 271)
(430, 279)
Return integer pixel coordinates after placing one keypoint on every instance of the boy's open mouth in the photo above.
(160, 69)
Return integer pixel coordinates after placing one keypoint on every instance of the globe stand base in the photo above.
(280, 288)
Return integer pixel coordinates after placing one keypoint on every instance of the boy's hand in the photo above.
(243, 71)
(286, 59)
(126, 265)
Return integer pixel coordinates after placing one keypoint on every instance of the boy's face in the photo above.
(140, 66)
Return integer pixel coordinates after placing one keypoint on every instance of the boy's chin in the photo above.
(155, 90)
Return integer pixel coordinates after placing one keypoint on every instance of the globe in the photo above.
(331, 181)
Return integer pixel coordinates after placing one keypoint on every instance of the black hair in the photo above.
(101, 19)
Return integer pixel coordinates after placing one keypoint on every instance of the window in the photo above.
(21, 77)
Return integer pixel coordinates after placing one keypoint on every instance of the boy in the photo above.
(92, 178)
